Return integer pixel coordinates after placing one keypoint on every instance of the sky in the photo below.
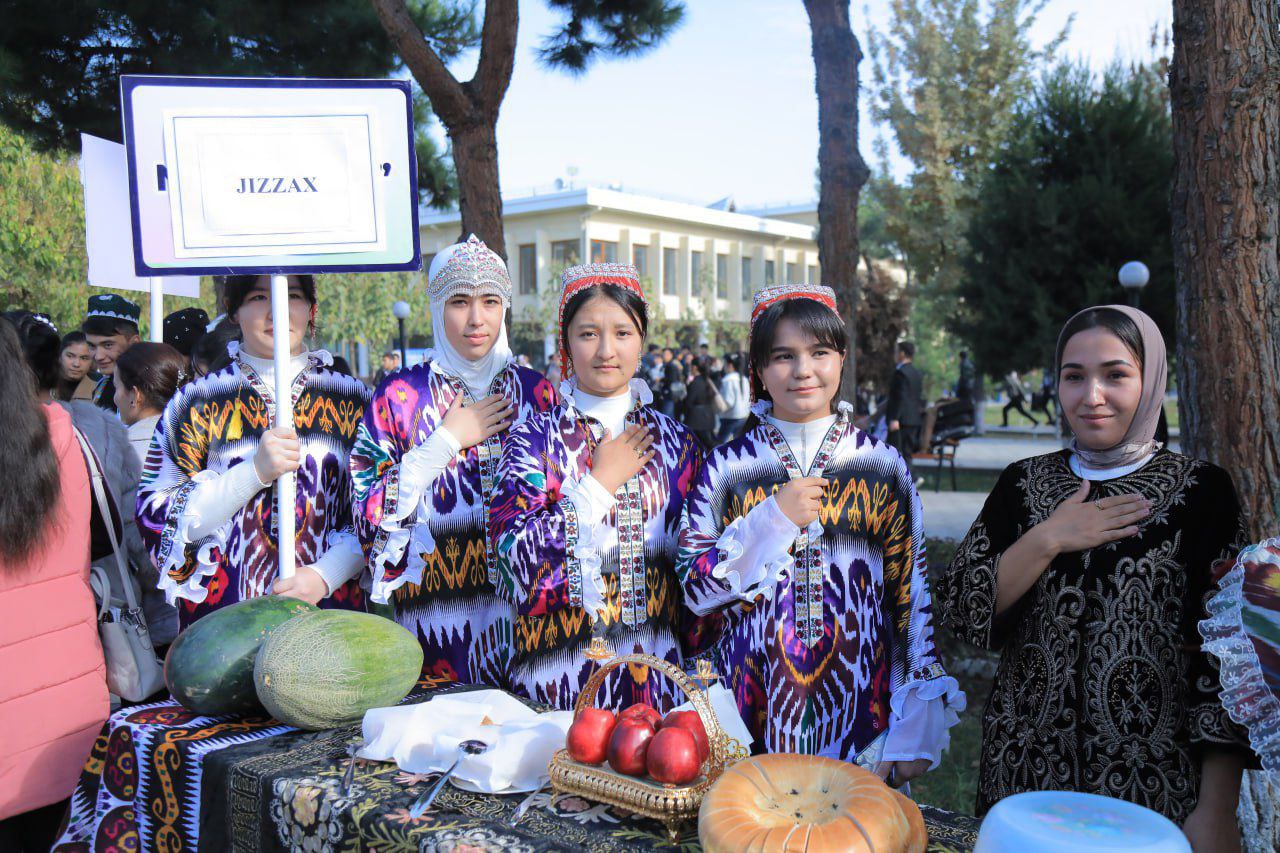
(726, 105)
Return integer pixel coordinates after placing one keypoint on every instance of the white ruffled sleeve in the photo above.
(590, 503)
(419, 469)
(417, 472)
(754, 555)
(341, 561)
(1248, 699)
(921, 714)
(216, 498)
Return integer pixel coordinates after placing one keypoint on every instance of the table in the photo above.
(163, 778)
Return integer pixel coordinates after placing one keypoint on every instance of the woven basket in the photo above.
(671, 804)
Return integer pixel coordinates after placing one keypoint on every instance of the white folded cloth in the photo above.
(726, 708)
(424, 738)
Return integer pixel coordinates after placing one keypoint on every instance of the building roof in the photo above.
(632, 203)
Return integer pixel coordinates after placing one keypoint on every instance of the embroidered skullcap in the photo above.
(578, 278)
(113, 305)
(470, 268)
(772, 295)
(184, 327)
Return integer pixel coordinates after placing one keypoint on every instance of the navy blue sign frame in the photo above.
(129, 82)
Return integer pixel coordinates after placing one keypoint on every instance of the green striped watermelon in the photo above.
(325, 669)
(209, 668)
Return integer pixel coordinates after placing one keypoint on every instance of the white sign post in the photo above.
(240, 176)
(287, 484)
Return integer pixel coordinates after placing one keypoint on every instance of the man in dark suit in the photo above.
(905, 408)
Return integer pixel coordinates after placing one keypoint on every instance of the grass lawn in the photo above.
(954, 784)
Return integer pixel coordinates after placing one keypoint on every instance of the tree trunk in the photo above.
(1226, 220)
(468, 111)
(841, 169)
(475, 156)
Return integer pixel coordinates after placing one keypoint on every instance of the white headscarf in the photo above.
(476, 270)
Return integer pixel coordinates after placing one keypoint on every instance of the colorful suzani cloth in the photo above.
(827, 632)
(426, 547)
(542, 550)
(215, 424)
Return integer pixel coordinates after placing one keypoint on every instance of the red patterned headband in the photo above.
(576, 279)
(782, 292)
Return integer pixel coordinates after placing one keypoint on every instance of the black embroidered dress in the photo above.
(1102, 686)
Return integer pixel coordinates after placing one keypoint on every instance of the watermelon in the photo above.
(325, 669)
(209, 668)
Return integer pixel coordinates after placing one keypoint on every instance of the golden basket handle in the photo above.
(716, 737)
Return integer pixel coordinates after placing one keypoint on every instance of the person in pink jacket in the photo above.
(53, 692)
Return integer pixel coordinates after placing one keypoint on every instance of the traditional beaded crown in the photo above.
(471, 268)
(772, 295)
(576, 279)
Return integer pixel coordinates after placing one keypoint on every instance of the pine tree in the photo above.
(469, 110)
(60, 69)
(1081, 187)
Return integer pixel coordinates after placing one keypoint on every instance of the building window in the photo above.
(793, 273)
(528, 268)
(770, 277)
(604, 252)
(746, 279)
(640, 259)
(695, 274)
(669, 270)
(565, 252)
(722, 276)
(813, 274)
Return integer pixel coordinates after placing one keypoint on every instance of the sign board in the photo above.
(104, 176)
(254, 176)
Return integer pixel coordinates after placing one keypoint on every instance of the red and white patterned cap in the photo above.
(782, 292)
(578, 278)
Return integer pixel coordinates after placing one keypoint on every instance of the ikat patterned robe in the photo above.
(868, 622)
(432, 565)
(539, 550)
(215, 423)
(1102, 685)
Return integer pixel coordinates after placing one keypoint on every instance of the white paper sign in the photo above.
(104, 175)
(263, 184)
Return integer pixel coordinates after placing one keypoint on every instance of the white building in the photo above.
(686, 250)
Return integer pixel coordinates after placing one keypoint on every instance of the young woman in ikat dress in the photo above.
(1088, 570)
(424, 469)
(206, 503)
(805, 536)
(586, 516)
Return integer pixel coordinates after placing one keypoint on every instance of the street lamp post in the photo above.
(1133, 277)
(401, 309)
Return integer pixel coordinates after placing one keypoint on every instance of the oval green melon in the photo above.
(209, 668)
(325, 669)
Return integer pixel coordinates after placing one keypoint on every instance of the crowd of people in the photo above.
(678, 504)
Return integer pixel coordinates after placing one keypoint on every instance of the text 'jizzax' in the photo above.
(278, 185)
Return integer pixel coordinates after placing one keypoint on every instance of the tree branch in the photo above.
(448, 98)
(497, 55)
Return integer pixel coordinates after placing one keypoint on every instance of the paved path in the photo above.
(995, 450)
(948, 515)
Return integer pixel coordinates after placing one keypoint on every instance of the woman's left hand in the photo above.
(902, 771)
(1212, 829)
(306, 585)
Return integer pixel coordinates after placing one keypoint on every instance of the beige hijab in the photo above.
(1138, 441)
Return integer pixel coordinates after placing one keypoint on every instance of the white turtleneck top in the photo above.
(216, 498)
(804, 439)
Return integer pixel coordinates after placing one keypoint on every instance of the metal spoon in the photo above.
(348, 777)
(528, 801)
(467, 747)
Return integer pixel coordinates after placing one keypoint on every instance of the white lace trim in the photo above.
(1245, 694)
